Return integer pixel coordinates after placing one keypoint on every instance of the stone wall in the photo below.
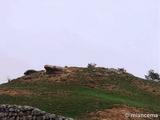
(17, 112)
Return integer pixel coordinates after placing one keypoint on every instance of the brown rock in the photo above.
(28, 72)
(52, 69)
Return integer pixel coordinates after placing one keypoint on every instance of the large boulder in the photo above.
(52, 69)
(29, 72)
(112, 71)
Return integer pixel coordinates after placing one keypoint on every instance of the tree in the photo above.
(152, 75)
(91, 65)
(122, 70)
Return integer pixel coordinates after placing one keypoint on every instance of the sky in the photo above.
(110, 33)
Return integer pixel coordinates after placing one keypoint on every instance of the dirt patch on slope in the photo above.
(29, 92)
(152, 88)
(16, 92)
(123, 113)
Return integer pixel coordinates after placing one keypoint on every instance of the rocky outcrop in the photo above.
(17, 112)
(52, 69)
(113, 71)
(29, 72)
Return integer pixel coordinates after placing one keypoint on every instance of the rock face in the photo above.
(16, 112)
(113, 71)
(28, 72)
(52, 69)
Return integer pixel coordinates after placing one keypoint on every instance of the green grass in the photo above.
(77, 100)
(73, 104)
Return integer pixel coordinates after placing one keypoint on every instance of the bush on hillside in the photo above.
(91, 65)
(122, 69)
(152, 75)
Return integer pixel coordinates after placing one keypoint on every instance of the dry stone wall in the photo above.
(17, 112)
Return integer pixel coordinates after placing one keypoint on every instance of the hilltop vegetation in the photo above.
(84, 93)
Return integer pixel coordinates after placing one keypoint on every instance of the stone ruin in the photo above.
(55, 71)
(31, 71)
(49, 69)
(17, 112)
(52, 69)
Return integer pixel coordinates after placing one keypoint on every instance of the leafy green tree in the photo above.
(122, 69)
(152, 75)
(91, 65)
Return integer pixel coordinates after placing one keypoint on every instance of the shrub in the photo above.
(91, 65)
(8, 79)
(122, 69)
(152, 75)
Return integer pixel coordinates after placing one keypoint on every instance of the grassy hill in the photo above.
(84, 93)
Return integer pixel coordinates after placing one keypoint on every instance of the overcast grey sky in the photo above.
(110, 33)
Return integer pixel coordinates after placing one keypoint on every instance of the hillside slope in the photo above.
(84, 93)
